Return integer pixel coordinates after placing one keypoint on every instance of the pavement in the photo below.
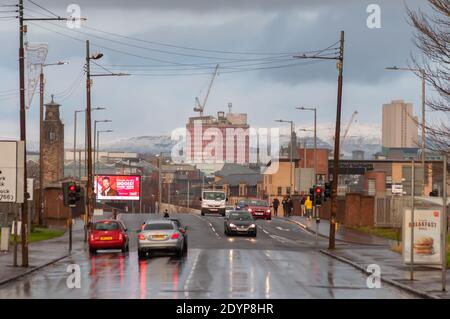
(283, 261)
(41, 254)
(366, 249)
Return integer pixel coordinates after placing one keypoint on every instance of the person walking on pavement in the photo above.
(302, 204)
(308, 207)
(290, 206)
(284, 204)
(275, 204)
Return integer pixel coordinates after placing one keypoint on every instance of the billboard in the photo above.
(427, 236)
(118, 187)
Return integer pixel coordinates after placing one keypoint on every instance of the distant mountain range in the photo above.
(361, 136)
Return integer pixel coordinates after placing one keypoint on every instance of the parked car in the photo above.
(240, 222)
(259, 209)
(162, 235)
(108, 234)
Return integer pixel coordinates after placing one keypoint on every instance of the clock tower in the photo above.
(53, 146)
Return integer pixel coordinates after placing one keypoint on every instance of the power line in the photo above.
(37, 5)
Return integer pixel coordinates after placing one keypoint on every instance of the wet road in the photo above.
(281, 262)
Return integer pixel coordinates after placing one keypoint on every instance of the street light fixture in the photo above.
(90, 182)
(423, 77)
(315, 138)
(95, 142)
(291, 150)
(41, 137)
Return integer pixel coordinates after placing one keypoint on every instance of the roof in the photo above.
(236, 179)
(235, 169)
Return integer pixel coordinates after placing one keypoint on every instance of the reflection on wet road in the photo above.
(277, 264)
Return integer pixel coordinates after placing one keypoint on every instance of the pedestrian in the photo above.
(302, 204)
(275, 204)
(308, 207)
(284, 204)
(166, 214)
(290, 206)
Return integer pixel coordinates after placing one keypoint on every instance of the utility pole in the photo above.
(23, 137)
(337, 134)
(89, 182)
(340, 65)
(444, 226)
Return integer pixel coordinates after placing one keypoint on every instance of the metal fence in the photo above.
(389, 210)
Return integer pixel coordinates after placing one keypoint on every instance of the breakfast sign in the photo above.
(427, 236)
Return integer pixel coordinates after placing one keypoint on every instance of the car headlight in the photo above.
(252, 226)
(232, 225)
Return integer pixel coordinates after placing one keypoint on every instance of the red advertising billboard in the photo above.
(118, 187)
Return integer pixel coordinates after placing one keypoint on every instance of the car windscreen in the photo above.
(104, 226)
(240, 216)
(258, 203)
(213, 196)
(159, 226)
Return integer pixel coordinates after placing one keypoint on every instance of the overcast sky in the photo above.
(147, 105)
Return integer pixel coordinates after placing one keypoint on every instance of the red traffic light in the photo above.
(318, 190)
(72, 188)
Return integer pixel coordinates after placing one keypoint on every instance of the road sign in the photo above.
(11, 171)
(397, 189)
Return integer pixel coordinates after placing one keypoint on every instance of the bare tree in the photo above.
(432, 37)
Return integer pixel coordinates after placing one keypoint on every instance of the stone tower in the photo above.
(53, 147)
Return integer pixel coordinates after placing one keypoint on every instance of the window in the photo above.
(371, 190)
(280, 191)
(288, 191)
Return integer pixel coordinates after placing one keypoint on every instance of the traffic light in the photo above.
(71, 193)
(311, 193)
(327, 191)
(318, 196)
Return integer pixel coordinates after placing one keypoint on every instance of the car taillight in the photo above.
(175, 236)
(92, 237)
(120, 236)
(141, 237)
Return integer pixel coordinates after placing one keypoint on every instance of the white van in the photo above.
(213, 202)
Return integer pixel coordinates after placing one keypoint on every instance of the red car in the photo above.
(259, 209)
(108, 234)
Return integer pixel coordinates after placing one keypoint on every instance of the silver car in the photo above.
(162, 235)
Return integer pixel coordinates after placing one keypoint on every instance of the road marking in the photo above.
(281, 228)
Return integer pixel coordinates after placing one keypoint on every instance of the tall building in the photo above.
(211, 142)
(53, 146)
(399, 129)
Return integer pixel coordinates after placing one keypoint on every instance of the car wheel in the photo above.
(141, 254)
(185, 249)
(203, 214)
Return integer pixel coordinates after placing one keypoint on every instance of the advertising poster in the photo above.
(427, 241)
(118, 187)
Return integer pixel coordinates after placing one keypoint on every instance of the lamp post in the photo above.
(291, 150)
(315, 138)
(95, 144)
(41, 138)
(423, 77)
(89, 187)
(98, 136)
(75, 137)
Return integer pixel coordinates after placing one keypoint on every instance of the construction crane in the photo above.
(347, 129)
(199, 107)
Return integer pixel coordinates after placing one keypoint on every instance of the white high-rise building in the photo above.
(400, 128)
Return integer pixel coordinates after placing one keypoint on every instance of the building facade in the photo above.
(399, 125)
(53, 144)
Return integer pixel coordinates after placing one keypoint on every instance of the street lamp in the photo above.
(89, 187)
(291, 149)
(315, 138)
(41, 137)
(96, 144)
(423, 76)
